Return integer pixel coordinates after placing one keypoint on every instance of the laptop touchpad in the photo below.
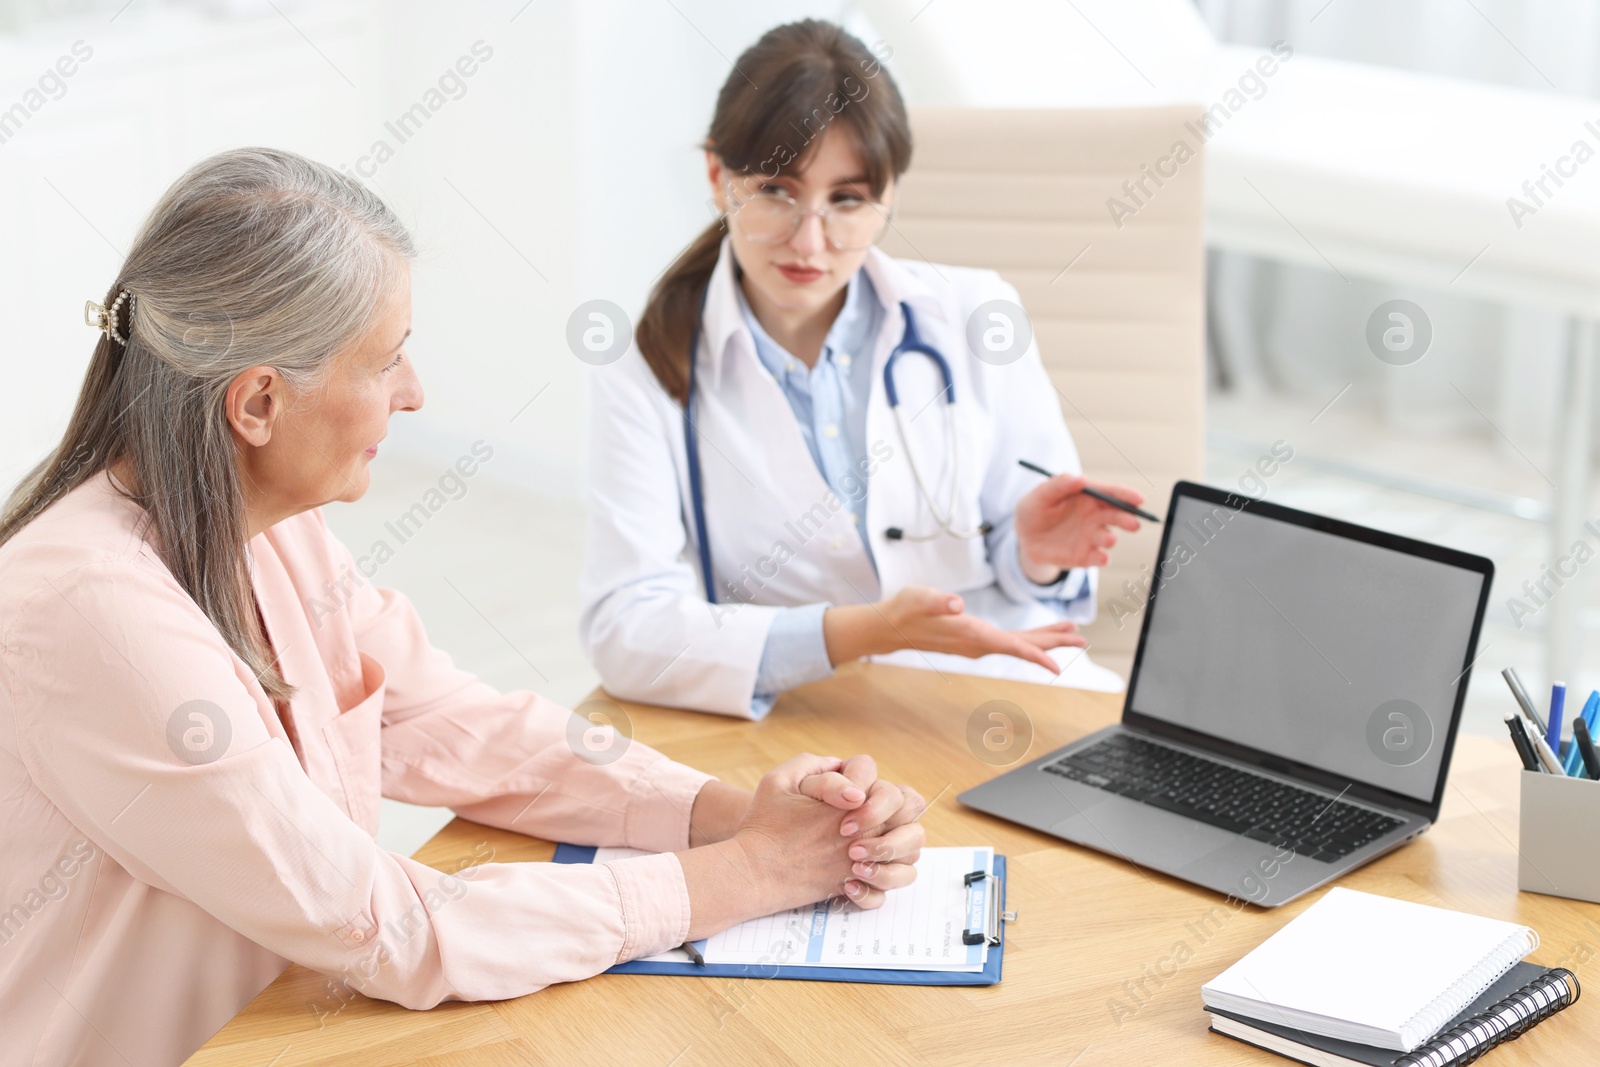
(1141, 834)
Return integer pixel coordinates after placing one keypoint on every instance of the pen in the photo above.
(1514, 680)
(1104, 498)
(1558, 697)
(694, 954)
(1585, 746)
(1519, 741)
(1541, 747)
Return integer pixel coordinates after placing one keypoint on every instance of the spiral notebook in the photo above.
(1524, 996)
(1370, 970)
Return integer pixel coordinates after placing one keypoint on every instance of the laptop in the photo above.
(1292, 708)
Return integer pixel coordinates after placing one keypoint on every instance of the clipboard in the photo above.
(992, 917)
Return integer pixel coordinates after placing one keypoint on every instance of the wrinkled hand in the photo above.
(1059, 527)
(791, 840)
(879, 827)
(879, 831)
(791, 848)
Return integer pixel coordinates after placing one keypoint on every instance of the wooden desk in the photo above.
(1090, 926)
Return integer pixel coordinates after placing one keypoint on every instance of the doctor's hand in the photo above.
(927, 619)
(1059, 527)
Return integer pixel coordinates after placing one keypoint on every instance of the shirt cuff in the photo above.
(795, 654)
(658, 813)
(655, 904)
(1071, 586)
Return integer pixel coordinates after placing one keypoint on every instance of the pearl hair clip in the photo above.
(104, 318)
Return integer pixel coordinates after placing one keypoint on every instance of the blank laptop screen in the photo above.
(1310, 646)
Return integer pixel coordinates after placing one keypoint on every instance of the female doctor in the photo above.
(802, 461)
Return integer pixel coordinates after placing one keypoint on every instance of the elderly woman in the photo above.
(193, 761)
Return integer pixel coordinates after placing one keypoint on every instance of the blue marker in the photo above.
(1552, 736)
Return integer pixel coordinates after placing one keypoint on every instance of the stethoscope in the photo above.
(910, 341)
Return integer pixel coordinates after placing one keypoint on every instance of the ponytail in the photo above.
(667, 327)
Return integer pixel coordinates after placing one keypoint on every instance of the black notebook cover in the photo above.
(1521, 975)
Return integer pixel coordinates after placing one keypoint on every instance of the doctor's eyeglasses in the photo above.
(771, 217)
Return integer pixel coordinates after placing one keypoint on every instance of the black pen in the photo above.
(694, 954)
(1104, 498)
(1524, 747)
(1586, 752)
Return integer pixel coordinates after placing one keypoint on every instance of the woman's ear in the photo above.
(716, 175)
(254, 402)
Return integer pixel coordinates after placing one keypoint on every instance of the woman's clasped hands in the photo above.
(816, 828)
(820, 827)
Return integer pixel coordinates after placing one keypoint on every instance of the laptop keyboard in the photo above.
(1224, 796)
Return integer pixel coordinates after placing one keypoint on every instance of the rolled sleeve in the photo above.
(655, 904)
(795, 653)
(657, 818)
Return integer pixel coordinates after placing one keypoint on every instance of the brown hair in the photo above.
(783, 93)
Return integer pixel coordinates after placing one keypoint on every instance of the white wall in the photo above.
(1042, 53)
(159, 90)
(561, 170)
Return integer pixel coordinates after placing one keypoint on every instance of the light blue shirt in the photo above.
(829, 401)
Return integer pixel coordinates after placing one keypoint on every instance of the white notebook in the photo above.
(1371, 969)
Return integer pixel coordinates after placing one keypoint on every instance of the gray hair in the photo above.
(255, 256)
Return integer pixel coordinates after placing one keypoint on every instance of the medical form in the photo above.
(918, 928)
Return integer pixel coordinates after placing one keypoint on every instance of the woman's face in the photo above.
(805, 273)
(299, 451)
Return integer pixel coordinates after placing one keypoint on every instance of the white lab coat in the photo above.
(778, 535)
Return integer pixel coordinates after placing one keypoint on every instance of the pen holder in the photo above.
(1554, 853)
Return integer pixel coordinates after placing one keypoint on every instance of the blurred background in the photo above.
(1437, 153)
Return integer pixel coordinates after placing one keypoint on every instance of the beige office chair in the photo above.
(1118, 310)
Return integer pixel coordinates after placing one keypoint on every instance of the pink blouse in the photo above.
(166, 850)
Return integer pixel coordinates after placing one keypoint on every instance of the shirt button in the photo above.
(792, 367)
(359, 936)
(854, 517)
(837, 544)
(830, 430)
(842, 359)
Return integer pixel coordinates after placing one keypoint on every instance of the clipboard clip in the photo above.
(990, 887)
